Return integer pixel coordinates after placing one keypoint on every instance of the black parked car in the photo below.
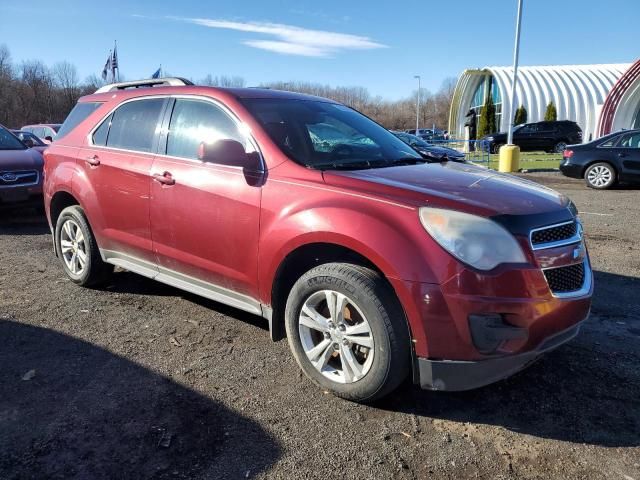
(605, 161)
(547, 136)
(428, 150)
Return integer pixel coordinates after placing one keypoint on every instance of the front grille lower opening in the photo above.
(565, 279)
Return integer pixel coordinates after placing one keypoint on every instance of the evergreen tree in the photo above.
(521, 116)
(487, 122)
(551, 115)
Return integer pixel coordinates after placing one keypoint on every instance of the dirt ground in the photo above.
(139, 380)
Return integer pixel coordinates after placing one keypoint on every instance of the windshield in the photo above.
(30, 136)
(326, 135)
(56, 128)
(9, 142)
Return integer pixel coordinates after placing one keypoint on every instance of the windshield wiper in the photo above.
(356, 165)
(406, 161)
(364, 164)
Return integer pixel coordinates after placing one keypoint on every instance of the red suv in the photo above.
(375, 262)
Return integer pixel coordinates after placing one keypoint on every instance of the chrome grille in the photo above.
(18, 178)
(556, 235)
(565, 279)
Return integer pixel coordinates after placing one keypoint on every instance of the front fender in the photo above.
(389, 236)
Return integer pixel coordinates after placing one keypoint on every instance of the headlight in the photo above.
(489, 139)
(476, 241)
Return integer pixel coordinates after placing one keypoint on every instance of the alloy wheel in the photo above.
(336, 336)
(599, 176)
(560, 147)
(73, 247)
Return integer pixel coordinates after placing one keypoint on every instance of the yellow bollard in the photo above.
(509, 158)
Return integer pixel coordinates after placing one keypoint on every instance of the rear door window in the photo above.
(527, 129)
(79, 113)
(134, 124)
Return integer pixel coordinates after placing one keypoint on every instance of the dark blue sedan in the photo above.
(606, 161)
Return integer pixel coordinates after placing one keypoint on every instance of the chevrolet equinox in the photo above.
(373, 261)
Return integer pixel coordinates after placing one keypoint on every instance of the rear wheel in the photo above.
(560, 147)
(78, 249)
(347, 331)
(600, 176)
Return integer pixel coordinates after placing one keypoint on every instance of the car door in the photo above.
(627, 151)
(522, 136)
(545, 137)
(205, 216)
(117, 165)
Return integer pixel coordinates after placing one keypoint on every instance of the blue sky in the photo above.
(380, 45)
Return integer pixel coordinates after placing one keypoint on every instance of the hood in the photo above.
(459, 186)
(28, 159)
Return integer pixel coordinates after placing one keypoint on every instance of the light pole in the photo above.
(418, 105)
(516, 51)
(510, 153)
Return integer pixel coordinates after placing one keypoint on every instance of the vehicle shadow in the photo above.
(587, 391)
(70, 409)
(131, 283)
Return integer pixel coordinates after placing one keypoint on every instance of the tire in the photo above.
(73, 236)
(600, 176)
(560, 147)
(370, 331)
(495, 148)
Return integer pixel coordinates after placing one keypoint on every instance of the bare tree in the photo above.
(33, 93)
(222, 81)
(66, 80)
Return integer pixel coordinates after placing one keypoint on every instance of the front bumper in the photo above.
(21, 196)
(459, 375)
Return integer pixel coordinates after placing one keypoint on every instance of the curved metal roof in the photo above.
(578, 91)
(616, 99)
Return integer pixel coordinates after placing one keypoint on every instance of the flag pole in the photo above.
(117, 65)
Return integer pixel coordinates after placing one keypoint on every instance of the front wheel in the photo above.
(78, 250)
(496, 148)
(348, 332)
(600, 176)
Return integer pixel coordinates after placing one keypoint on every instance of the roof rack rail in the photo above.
(151, 82)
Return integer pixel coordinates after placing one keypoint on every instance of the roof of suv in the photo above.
(238, 93)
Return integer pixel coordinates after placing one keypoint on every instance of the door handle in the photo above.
(93, 160)
(164, 178)
(622, 154)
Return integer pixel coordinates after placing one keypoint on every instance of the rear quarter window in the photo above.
(79, 113)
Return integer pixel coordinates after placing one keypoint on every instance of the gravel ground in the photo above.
(139, 380)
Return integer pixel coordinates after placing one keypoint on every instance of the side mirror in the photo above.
(227, 152)
(49, 138)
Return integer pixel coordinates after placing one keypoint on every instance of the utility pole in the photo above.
(516, 51)
(418, 105)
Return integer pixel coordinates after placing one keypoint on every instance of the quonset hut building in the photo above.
(600, 98)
